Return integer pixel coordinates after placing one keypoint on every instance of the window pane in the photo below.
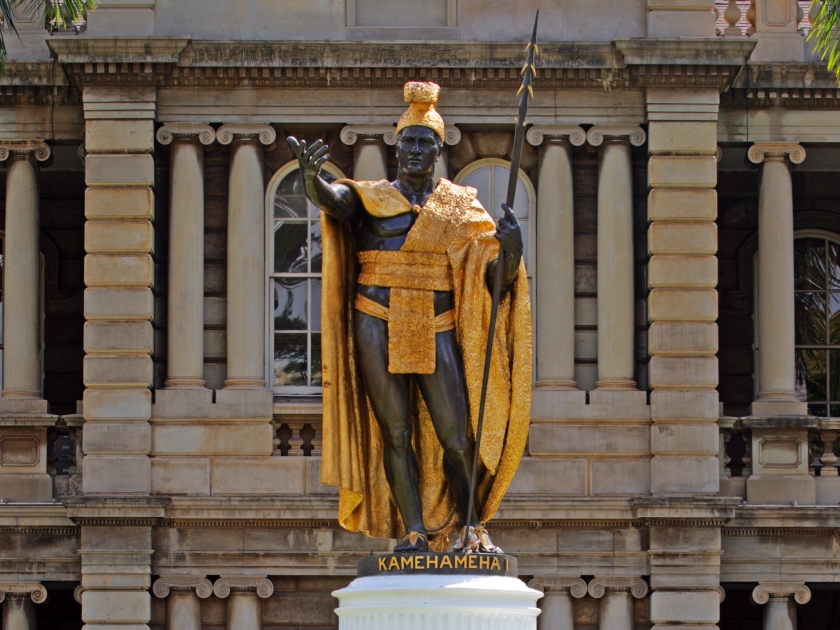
(290, 247)
(810, 311)
(315, 246)
(501, 175)
(817, 410)
(809, 263)
(290, 304)
(834, 318)
(833, 265)
(289, 359)
(290, 199)
(316, 360)
(480, 180)
(835, 411)
(811, 375)
(316, 304)
(834, 374)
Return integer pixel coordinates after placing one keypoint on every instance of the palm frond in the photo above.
(825, 31)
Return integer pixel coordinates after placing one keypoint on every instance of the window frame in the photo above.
(269, 275)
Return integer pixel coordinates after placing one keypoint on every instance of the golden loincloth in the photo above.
(442, 323)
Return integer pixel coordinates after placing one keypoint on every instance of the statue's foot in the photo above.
(485, 544)
(478, 541)
(415, 542)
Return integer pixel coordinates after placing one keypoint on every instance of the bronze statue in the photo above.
(408, 270)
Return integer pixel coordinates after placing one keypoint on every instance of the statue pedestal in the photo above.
(416, 593)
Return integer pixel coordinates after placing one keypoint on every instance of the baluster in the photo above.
(732, 16)
(751, 19)
(748, 455)
(295, 441)
(815, 10)
(828, 459)
(275, 440)
(717, 17)
(316, 440)
(800, 15)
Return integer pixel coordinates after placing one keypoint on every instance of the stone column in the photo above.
(21, 276)
(18, 601)
(244, 608)
(370, 149)
(451, 137)
(776, 324)
(616, 322)
(557, 605)
(779, 600)
(246, 347)
(183, 594)
(119, 276)
(555, 338)
(616, 610)
(185, 320)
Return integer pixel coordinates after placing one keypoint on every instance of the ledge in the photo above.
(117, 49)
(28, 420)
(104, 510)
(711, 51)
(780, 422)
(36, 515)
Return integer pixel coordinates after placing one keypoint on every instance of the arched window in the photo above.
(490, 178)
(294, 283)
(817, 308)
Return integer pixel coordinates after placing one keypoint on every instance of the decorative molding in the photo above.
(251, 523)
(451, 135)
(39, 149)
(166, 583)
(77, 593)
(760, 151)
(766, 590)
(265, 133)
(600, 585)
(258, 583)
(170, 131)
(718, 153)
(735, 532)
(635, 135)
(563, 524)
(548, 583)
(35, 590)
(536, 134)
(350, 134)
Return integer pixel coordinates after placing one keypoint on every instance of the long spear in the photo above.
(526, 91)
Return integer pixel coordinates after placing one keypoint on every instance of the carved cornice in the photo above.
(38, 149)
(714, 52)
(166, 583)
(256, 583)
(765, 591)
(35, 590)
(571, 583)
(761, 151)
(172, 131)
(600, 585)
(634, 134)
(109, 51)
(237, 131)
(575, 135)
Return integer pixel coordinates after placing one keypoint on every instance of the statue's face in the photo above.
(417, 151)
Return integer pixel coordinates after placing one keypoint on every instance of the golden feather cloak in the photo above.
(453, 220)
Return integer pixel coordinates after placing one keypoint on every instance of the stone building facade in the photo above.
(160, 410)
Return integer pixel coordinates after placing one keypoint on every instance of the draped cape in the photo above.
(454, 222)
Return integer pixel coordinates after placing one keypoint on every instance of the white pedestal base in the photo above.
(453, 602)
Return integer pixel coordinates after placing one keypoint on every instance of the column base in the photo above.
(184, 383)
(557, 384)
(616, 384)
(244, 383)
(28, 405)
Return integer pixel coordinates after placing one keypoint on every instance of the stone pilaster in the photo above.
(18, 601)
(22, 387)
(616, 321)
(555, 334)
(246, 255)
(682, 300)
(779, 600)
(557, 605)
(616, 610)
(119, 275)
(185, 300)
(244, 593)
(183, 594)
(775, 308)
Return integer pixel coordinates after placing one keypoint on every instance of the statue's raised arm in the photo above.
(337, 200)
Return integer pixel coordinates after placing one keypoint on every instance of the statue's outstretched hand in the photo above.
(509, 234)
(310, 159)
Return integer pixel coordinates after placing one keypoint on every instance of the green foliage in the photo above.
(826, 34)
(55, 14)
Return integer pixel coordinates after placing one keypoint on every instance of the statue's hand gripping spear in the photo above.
(526, 91)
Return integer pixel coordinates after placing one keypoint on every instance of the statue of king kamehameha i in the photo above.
(408, 268)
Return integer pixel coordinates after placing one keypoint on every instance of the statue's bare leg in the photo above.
(389, 396)
(445, 393)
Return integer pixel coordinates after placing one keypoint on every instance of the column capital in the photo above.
(600, 585)
(761, 151)
(350, 134)
(766, 590)
(35, 590)
(166, 583)
(632, 133)
(576, 136)
(238, 131)
(39, 149)
(251, 583)
(571, 583)
(172, 131)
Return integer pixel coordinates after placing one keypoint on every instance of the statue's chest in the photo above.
(390, 227)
